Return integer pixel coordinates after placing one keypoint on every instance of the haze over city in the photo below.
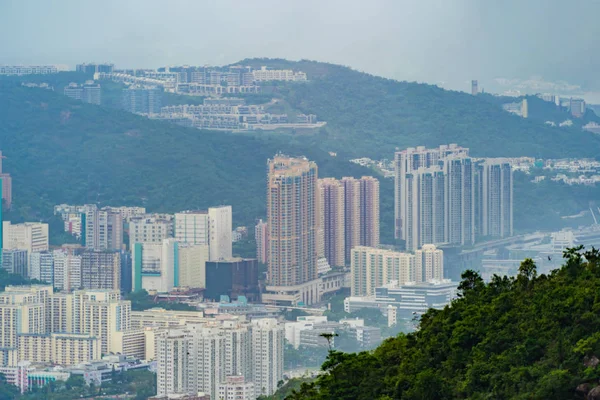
(301, 200)
(439, 42)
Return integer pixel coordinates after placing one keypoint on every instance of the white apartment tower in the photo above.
(103, 229)
(267, 355)
(459, 201)
(172, 356)
(261, 235)
(494, 198)
(409, 160)
(424, 215)
(67, 270)
(207, 365)
(220, 227)
(434, 196)
(429, 264)
(41, 266)
(212, 228)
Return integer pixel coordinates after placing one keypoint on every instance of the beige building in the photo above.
(131, 343)
(66, 328)
(210, 227)
(20, 313)
(373, 268)
(429, 264)
(192, 265)
(30, 236)
(59, 348)
(293, 220)
(149, 229)
(100, 313)
(161, 318)
(332, 214)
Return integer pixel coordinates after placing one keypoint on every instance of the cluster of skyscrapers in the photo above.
(349, 213)
(443, 196)
(312, 222)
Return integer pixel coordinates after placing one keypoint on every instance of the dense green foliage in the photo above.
(287, 389)
(382, 114)
(527, 337)
(7, 279)
(63, 151)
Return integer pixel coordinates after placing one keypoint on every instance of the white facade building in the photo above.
(149, 229)
(220, 226)
(267, 355)
(41, 266)
(236, 388)
(67, 270)
(212, 228)
(30, 236)
(103, 228)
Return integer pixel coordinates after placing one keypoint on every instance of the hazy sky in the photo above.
(446, 42)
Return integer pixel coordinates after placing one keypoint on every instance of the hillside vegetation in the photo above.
(60, 150)
(527, 337)
(384, 114)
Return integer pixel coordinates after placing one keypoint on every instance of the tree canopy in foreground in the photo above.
(526, 337)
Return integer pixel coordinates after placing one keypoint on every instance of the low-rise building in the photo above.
(409, 300)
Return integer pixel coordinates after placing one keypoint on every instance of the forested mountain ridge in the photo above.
(59, 150)
(383, 114)
(527, 337)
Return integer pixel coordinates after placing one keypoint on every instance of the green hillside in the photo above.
(383, 114)
(60, 150)
(529, 337)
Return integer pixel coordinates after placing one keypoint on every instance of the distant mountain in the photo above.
(59, 150)
(382, 114)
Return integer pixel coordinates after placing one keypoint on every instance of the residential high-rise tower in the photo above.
(293, 220)
(331, 192)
